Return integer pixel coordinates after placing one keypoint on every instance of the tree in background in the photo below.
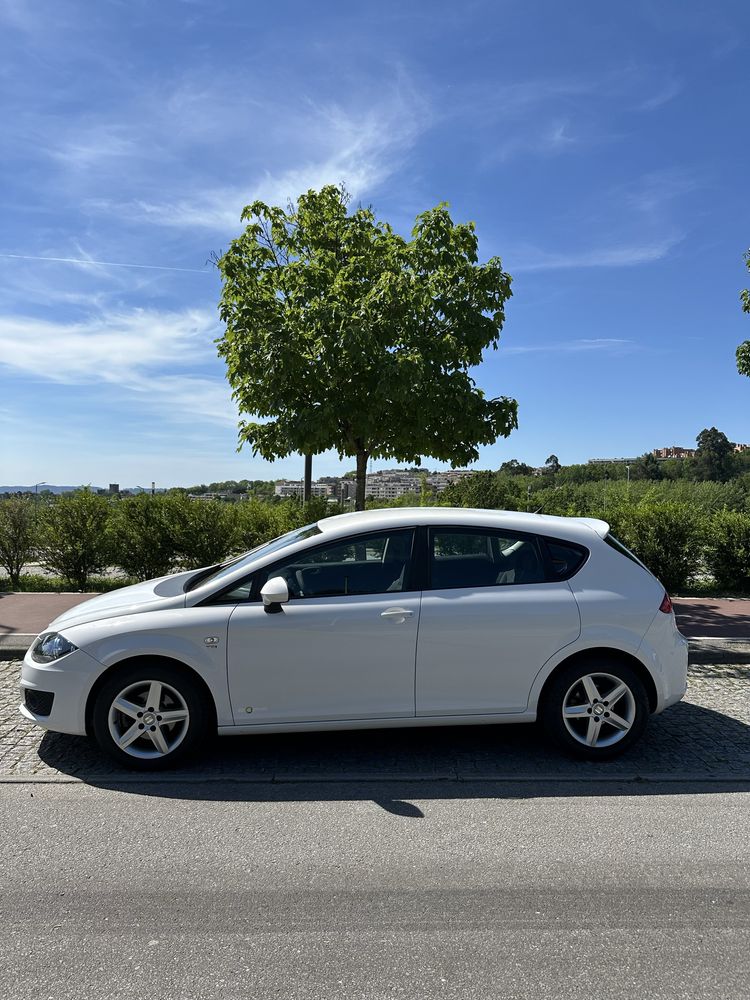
(483, 489)
(344, 335)
(73, 537)
(647, 467)
(743, 351)
(552, 465)
(515, 468)
(17, 530)
(714, 457)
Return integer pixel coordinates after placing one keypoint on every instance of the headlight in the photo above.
(51, 647)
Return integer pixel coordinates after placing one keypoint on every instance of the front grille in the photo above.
(39, 702)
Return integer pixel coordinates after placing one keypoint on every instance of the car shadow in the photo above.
(688, 748)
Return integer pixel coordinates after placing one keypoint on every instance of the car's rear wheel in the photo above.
(595, 708)
(150, 716)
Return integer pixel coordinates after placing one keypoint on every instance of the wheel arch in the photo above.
(597, 654)
(138, 660)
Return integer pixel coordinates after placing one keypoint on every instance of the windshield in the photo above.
(228, 567)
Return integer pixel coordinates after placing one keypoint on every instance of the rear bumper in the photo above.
(665, 651)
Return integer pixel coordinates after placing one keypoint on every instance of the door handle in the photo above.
(397, 613)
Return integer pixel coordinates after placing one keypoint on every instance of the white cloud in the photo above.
(331, 144)
(625, 255)
(137, 352)
(605, 344)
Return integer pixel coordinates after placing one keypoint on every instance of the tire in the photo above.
(580, 717)
(130, 712)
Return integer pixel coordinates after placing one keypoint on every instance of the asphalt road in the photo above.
(310, 891)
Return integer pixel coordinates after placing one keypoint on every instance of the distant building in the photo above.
(295, 488)
(739, 448)
(114, 488)
(674, 452)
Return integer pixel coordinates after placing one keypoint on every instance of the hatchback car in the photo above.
(402, 617)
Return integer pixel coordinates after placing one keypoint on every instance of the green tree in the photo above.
(552, 465)
(74, 540)
(515, 468)
(743, 351)
(483, 489)
(714, 458)
(646, 467)
(342, 334)
(17, 529)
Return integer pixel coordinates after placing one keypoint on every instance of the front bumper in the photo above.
(69, 680)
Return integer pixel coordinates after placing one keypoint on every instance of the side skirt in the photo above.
(402, 723)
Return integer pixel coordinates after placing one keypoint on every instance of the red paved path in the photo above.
(30, 613)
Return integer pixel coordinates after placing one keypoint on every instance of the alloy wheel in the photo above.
(148, 719)
(599, 710)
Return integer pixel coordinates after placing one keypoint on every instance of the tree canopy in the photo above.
(342, 334)
(714, 455)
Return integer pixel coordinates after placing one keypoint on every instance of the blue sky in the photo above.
(601, 150)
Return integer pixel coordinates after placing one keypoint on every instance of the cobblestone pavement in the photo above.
(706, 736)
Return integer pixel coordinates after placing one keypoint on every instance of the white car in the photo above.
(401, 617)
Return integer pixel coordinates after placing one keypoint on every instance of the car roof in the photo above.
(573, 528)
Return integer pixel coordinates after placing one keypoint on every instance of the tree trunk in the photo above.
(362, 457)
(307, 488)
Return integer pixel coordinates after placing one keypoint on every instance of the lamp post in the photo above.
(36, 487)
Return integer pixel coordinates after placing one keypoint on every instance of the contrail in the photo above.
(103, 263)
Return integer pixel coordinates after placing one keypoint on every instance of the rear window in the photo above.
(624, 551)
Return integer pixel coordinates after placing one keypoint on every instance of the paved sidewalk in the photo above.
(705, 738)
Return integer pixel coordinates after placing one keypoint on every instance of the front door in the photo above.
(343, 647)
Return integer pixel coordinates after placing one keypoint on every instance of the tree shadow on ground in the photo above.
(711, 619)
(686, 748)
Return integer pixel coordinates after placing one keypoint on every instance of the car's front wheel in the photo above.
(149, 716)
(595, 708)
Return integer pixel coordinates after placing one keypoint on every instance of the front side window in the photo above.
(364, 564)
(470, 558)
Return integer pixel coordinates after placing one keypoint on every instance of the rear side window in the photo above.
(565, 558)
(467, 558)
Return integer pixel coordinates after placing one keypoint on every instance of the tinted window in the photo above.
(365, 564)
(565, 558)
(226, 569)
(475, 558)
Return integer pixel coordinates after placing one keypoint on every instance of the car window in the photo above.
(232, 565)
(565, 558)
(469, 558)
(364, 564)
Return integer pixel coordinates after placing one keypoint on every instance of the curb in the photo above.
(629, 778)
(703, 649)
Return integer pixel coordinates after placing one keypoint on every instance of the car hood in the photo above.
(153, 595)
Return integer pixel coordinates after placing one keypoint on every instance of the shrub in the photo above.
(204, 532)
(73, 536)
(728, 550)
(666, 536)
(143, 537)
(17, 530)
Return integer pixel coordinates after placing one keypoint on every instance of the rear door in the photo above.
(491, 617)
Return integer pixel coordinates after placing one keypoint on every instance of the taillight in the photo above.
(666, 604)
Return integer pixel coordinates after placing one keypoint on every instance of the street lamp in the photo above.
(36, 487)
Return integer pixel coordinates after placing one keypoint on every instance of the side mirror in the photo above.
(274, 593)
